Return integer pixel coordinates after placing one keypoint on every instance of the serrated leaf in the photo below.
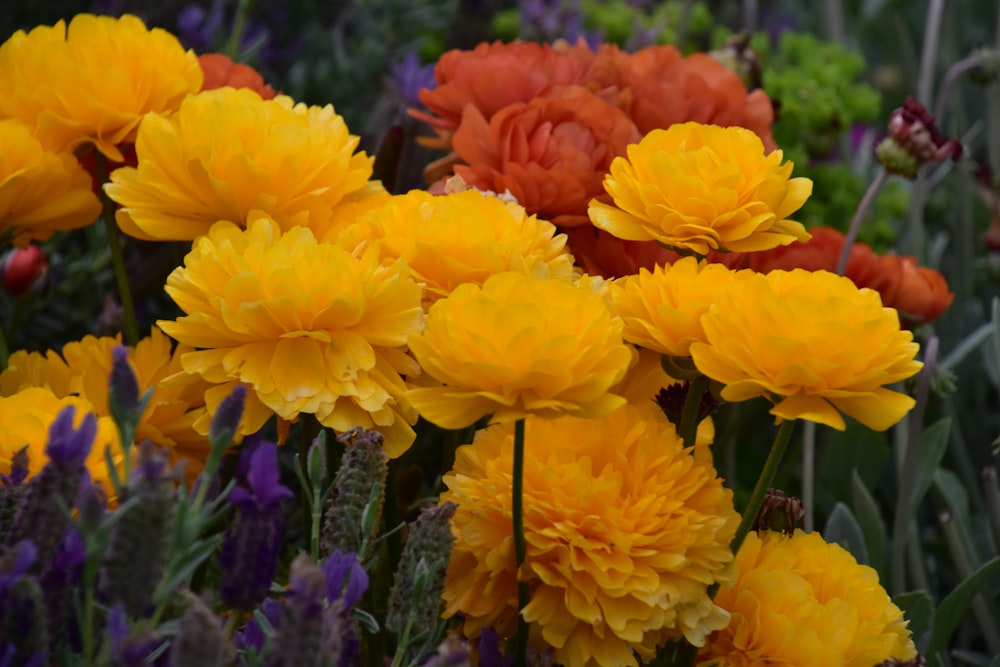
(918, 610)
(843, 528)
(871, 523)
(955, 606)
(930, 451)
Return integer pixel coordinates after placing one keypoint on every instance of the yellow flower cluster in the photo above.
(307, 326)
(464, 237)
(518, 346)
(40, 191)
(94, 80)
(802, 601)
(625, 532)
(701, 187)
(227, 152)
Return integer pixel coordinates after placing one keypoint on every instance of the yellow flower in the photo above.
(625, 532)
(466, 237)
(307, 326)
(700, 188)
(94, 81)
(812, 343)
(227, 152)
(662, 308)
(517, 346)
(84, 369)
(801, 601)
(40, 192)
(25, 418)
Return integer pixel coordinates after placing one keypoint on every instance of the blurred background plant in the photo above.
(925, 495)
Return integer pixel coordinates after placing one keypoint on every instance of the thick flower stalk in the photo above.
(802, 601)
(94, 80)
(519, 346)
(252, 543)
(813, 344)
(307, 327)
(625, 532)
(227, 152)
(464, 237)
(698, 188)
(40, 191)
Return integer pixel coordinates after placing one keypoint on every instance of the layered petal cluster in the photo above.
(625, 532)
(308, 327)
(83, 369)
(519, 346)
(662, 308)
(465, 237)
(220, 71)
(227, 152)
(25, 418)
(550, 153)
(40, 191)
(700, 188)
(802, 601)
(919, 293)
(94, 80)
(812, 343)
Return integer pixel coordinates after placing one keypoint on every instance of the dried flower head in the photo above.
(914, 140)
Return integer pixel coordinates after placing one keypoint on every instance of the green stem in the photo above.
(4, 349)
(859, 218)
(808, 474)
(117, 256)
(520, 547)
(688, 429)
(233, 43)
(764, 482)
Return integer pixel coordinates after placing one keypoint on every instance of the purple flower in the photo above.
(489, 650)
(123, 389)
(410, 77)
(345, 578)
(263, 490)
(20, 560)
(67, 445)
(252, 635)
(18, 468)
(227, 416)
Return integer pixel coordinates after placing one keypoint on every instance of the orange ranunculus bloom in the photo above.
(920, 294)
(491, 77)
(660, 87)
(551, 153)
(221, 71)
(601, 254)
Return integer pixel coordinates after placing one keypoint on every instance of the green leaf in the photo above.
(954, 494)
(918, 609)
(858, 448)
(843, 529)
(870, 521)
(953, 609)
(930, 451)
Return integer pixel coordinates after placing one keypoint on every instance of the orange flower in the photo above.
(550, 153)
(661, 87)
(489, 78)
(221, 71)
(920, 294)
(599, 253)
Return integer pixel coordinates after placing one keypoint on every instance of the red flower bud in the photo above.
(24, 268)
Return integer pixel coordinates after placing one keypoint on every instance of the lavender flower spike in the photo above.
(67, 445)
(123, 389)
(227, 416)
(346, 579)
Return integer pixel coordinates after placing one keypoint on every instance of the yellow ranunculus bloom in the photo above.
(227, 152)
(519, 346)
(94, 81)
(307, 326)
(84, 369)
(662, 308)
(801, 601)
(464, 237)
(625, 532)
(702, 187)
(812, 343)
(40, 192)
(25, 418)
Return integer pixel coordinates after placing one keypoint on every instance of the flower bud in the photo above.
(913, 141)
(24, 269)
(354, 509)
(779, 513)
(200, 640)
(308, 632)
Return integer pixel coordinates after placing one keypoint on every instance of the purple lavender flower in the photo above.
(123, 389)
(227, 416)
(252, 543)
(18, 468)
(57, 585)
(489, 650)
(67, 445)
(252, 635)
(16, 562)
(346, 579)
(126, 650)
(23, 623)
(410, 77)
